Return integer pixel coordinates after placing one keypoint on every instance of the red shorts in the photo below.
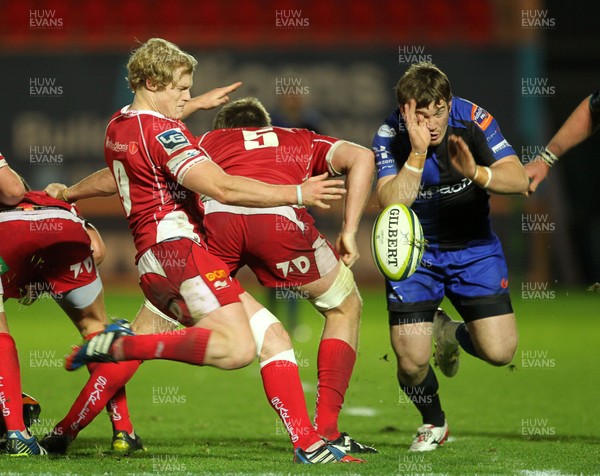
(44, 250)
(280, 245)
(185, 281)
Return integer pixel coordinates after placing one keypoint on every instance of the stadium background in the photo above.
(527, 62)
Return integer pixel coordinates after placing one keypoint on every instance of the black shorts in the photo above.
(469, 309)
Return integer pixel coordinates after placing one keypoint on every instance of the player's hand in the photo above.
(460, 157)
(317, 190)
(55, 190)
(536, 171)
(418, 133)
(216, 97)
(345, 244)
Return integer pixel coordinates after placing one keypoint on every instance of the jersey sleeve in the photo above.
(323, 150)
(2, 161)
(487, 133)
(385, 147)
(177, 152)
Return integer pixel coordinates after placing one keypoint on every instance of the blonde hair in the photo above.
(157, 60)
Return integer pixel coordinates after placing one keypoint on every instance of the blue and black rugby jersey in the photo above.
(453, 210)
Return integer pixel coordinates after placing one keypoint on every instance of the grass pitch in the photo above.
(538, 416)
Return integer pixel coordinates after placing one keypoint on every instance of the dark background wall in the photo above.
(62, 65)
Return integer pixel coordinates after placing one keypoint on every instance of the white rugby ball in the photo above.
(397, 242)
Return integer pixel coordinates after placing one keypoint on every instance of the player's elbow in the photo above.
(12, 194)
(361, 162)
(225, 196)
(366, 157)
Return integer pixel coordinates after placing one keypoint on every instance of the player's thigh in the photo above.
(495, 338)
(231, 344)
(411, 305)
(186, 282)
(230, 320)
(150, 320)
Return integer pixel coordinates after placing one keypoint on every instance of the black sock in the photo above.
(464, 339)
(426, 399)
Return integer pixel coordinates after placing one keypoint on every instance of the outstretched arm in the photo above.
(507, 175)
(98, 184)
(580, 125)
(207, 178)
(209, 100)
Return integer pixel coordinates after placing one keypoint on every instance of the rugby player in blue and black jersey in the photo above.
(442, 155)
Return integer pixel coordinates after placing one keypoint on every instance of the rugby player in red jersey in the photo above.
(154, 164)
(45, 247)
(282, 246)
(11, 193)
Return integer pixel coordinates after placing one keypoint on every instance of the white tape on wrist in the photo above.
(548, 156)
(299, 194)
(413, 169)
(489, 172)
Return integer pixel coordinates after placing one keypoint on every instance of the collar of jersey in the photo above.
(126, 110)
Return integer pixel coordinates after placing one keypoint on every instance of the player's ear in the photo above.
(151, 85)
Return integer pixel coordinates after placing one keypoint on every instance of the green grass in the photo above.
(219, 422)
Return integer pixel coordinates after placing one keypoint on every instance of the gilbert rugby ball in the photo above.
(397, 242)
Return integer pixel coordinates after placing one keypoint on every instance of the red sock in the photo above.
(11, 402)
(118, 411)
(281, 381)
(335, 364)
(183, 345)
(104, 381)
